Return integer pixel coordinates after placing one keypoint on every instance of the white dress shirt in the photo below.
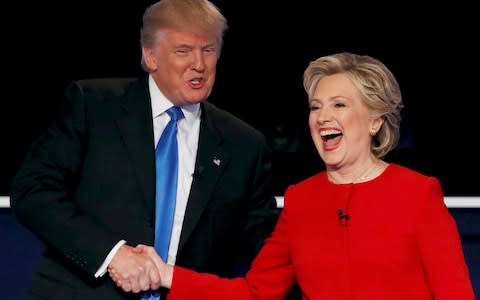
(187, 138)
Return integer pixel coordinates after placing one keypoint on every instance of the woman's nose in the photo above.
(322, 115)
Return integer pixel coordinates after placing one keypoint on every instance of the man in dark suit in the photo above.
(87, 186)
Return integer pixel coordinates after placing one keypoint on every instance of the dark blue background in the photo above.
(19, 251)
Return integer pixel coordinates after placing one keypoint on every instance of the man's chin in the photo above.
(196, 98)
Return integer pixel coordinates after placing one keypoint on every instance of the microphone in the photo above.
(342, 216)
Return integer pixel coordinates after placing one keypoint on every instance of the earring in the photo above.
(373, 131)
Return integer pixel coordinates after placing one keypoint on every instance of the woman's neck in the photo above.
(368, 171)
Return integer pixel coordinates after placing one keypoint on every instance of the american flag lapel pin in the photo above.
(217, 161)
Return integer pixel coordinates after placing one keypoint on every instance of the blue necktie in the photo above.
(166, 162)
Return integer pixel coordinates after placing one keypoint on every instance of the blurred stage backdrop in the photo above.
(431, 51)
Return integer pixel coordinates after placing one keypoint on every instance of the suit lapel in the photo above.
(136, 129)
(212, 160)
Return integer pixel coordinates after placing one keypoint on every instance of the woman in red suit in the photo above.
(363, 228)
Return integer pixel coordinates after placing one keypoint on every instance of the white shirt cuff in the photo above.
(103, 268)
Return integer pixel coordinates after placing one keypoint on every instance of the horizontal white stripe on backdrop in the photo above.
(454, 202)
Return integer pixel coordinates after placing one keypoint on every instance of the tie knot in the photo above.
(175, 113)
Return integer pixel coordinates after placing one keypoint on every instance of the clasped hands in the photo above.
(136, 269)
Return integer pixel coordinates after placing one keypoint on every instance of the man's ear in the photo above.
(149, 59)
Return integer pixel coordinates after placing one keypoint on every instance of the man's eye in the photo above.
(181, 51)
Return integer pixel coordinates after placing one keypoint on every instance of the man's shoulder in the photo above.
(104, 92)
(113, 84)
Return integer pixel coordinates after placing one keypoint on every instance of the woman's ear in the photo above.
(375, 125)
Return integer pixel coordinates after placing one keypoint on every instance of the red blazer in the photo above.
(399, 242)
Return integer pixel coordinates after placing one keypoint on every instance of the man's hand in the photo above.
(135, 270)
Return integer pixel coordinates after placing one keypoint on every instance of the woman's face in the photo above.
(339, 123)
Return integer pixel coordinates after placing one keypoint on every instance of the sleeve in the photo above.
(42, 192)
(271, 275)
(104, 267)
(441, 249)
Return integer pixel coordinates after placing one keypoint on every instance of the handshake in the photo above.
(140, 268)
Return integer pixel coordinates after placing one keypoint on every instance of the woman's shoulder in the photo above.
(407, 176)
(404, 171)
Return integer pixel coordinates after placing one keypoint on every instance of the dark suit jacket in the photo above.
(89, 182)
